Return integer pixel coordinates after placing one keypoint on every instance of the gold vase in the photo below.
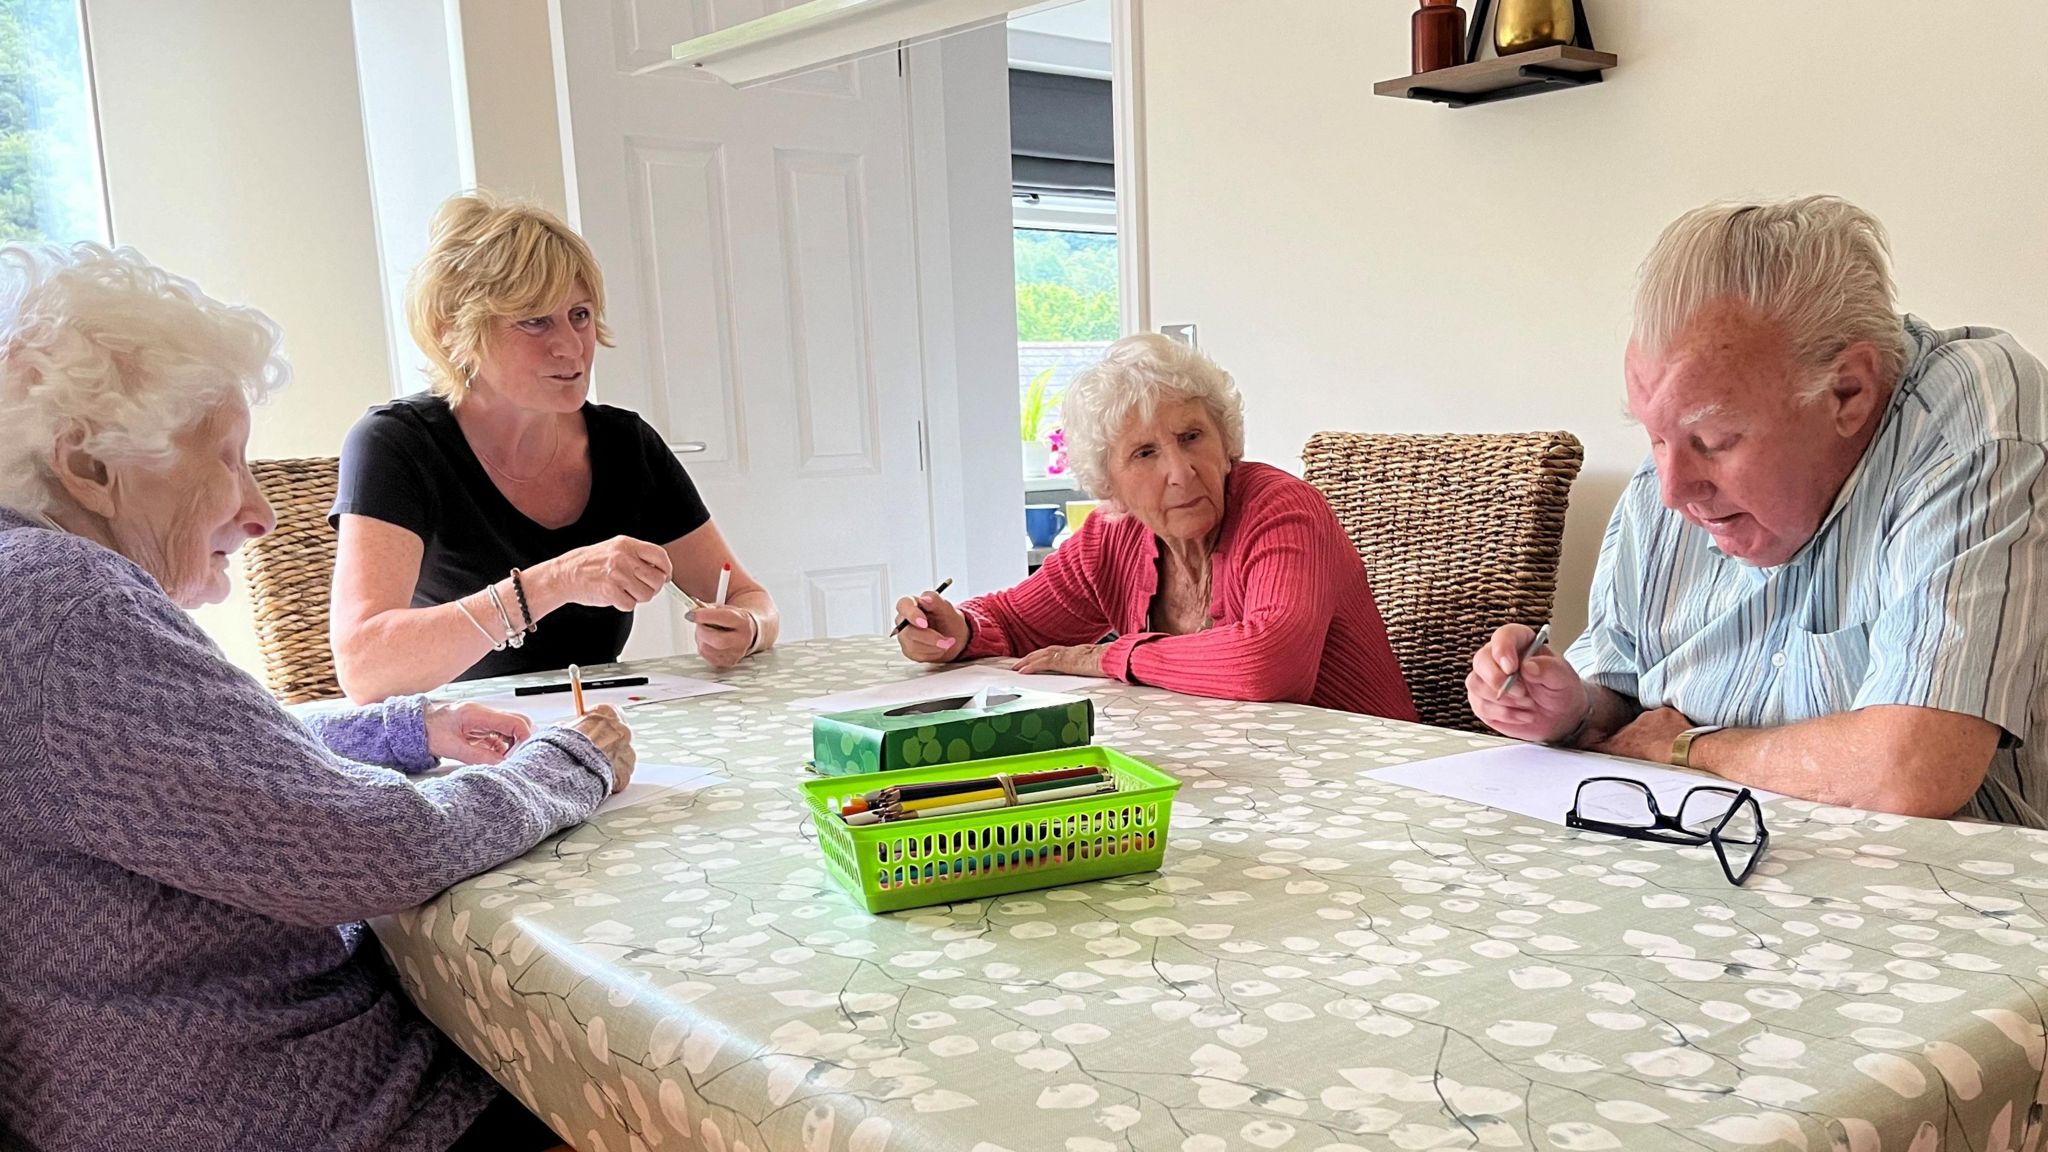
(1525, 25)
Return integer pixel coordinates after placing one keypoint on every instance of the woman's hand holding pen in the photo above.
(621, 573)
(1545, 703)
(725, 634)
(933, 631)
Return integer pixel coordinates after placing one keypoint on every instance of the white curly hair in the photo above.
(104, 343)
(1136, 375)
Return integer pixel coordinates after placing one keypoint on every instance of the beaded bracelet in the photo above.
(525, 612)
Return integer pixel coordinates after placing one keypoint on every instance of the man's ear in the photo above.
(1859, 388)
(85, 478)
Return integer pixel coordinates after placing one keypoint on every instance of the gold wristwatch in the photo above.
(1681, 745)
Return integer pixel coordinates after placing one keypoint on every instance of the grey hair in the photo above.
(105, 343)
(1136, 375)
(1818, 265)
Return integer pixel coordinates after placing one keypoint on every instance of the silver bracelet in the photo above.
(513, 635)
(496, 644)
(754, 645)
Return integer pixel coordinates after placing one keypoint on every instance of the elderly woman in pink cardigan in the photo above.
(1204, 574)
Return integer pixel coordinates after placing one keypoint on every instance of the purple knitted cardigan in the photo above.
(175, 854)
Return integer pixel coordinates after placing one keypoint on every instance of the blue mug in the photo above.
(1042, 522)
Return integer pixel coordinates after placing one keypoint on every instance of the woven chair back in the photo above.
(291, 574)
(1459, 534)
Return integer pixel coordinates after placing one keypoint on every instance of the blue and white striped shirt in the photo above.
(1926, 584)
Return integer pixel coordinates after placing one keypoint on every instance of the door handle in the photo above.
(685, 447)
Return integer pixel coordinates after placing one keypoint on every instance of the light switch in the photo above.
(1185, 333)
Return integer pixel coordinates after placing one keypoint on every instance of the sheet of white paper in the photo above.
(963, 681)
(654, 781)
(1539, 781)
(554, 706)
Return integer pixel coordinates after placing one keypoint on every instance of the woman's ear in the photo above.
(85, 478)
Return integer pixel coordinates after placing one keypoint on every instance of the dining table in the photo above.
(1324, 961)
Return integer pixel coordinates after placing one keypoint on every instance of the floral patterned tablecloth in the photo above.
(1325, 962)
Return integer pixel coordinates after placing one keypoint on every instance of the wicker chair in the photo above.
(290, 574)
(1460, 534)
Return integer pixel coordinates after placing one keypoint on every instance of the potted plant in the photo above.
(1037, 398)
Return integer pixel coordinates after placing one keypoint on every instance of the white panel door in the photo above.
(761, 283)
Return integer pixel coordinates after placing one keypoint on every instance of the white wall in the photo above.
(456, 95)
(1374, 264)
(515, 125)
(234, 155)
(409, 66)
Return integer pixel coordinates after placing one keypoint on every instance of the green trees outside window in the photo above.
(1066, 286)
(49, 158)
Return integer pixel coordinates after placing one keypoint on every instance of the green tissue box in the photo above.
(947, 731)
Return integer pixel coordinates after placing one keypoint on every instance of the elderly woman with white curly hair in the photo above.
(176, 852)
(1204, 574)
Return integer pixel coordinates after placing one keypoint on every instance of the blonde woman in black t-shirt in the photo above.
(501, 522)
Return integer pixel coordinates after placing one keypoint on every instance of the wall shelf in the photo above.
(1503, 78)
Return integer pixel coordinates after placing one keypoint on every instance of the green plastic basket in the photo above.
(915, 863)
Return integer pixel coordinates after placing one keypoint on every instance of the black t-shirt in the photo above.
(408, 463)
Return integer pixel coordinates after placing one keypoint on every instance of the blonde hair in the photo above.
(1136, 375)
(105, 343)
(491, 259)
(1818, 265)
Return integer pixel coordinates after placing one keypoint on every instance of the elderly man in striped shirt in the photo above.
(1830, 578)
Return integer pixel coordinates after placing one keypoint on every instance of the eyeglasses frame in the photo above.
(1665, 829)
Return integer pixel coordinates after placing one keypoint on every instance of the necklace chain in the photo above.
(507, 473)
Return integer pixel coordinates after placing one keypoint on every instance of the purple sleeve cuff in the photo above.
(392, 734)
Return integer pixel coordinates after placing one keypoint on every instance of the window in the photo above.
(49, 149)
(1067, 311)
(1066, 286)
(1063, 183)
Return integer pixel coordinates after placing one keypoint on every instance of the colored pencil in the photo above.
(1049, 795)
(906, 792)
(1026, 793)
(1021, 788)
(576, 687)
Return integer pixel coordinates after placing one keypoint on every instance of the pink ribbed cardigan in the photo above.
(1294, 617)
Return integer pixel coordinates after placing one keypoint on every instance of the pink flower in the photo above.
(1056, 462)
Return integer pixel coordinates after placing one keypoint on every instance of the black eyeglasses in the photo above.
(1730, 819)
